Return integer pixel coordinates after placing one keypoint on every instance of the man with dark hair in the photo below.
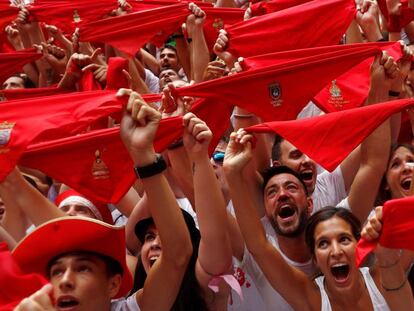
(17, 81)
(168, 58)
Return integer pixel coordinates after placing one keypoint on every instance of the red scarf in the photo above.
(397, 228)
(266, 7)
(28, 93)
(328, 139)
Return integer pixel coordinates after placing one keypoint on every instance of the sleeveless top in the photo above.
(378, 301)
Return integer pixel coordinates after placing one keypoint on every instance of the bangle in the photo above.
(152, 169)
(243, 116)
(176, 144)
(395, 288)
(393, 93)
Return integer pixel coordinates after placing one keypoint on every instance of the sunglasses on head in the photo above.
(218, 157)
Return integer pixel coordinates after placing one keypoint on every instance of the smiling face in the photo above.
(286, 204)
(298, 161)
(151, 248)
(334, 252)
(399, 172)
(81, 282)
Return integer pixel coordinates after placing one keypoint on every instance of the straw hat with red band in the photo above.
(72, 234)
(72, 197)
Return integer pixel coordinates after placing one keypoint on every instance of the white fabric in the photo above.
(125, 304)
(185, 204)
(310, 110)
(77, 200)
(378, 301)
(329, 189)
(152, 81)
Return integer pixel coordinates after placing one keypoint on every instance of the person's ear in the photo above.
(309, 208)
(114, 285)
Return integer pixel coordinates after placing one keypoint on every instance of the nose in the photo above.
(67, 281)
(336, 250)
(283, 194)
(156, 243)
(408, 166)
(71, 211)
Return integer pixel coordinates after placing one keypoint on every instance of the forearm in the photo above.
(199, 54)
(183, 54)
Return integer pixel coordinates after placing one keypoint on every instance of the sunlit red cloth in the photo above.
(280, 91)
(154, 25)
(307, 25)
(350, 90)
(397, 228)
(406, 16)
(96, 163)
(7, 13)
(15, 285)
(266, 7)
(11, 63)
(115, 78)
(32, 92)
(45, 118)
(330, 138)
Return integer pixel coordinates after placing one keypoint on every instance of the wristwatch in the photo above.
(152, 169)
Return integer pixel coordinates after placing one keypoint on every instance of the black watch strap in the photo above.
(152, 169)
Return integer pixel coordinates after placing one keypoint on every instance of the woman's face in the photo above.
(151, 249)
(335, 252)
(399, 173)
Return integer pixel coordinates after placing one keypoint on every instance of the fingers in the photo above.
(95, 54)
(123, 92)
(39, 301)
(373, 227)
(196, 127)
(221, 41)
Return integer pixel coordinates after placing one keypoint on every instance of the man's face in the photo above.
(295, 159)
(80, 282)
(286, 204)
(168, 59)
(77, 210)
(167, 76)
(13, 83)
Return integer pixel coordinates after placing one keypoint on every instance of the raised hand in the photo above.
(373, 227)
(39, 301)
(220, 48)
(238, 153)
(197, 136)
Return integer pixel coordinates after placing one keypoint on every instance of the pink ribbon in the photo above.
(229, 279)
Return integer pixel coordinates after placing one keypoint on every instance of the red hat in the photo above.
(70, 197)
(72, 234)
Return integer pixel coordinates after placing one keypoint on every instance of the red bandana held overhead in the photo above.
(338, 133)
(351, 89)
(32, 92)
(21, 285)
(7, 14)
(395, 23)
(397, 228)
(96, 163)
(11, 63)
(266, 7)
(45, 118)
(303, 26)
(153, 25)
(280, 92)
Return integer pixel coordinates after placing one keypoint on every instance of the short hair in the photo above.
(326, 213)
(281, 169)
(113, 267)
(168, 46)
(28, 84)
(276, 148)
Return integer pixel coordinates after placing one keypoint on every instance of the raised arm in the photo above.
(138, 128)
(291, 283)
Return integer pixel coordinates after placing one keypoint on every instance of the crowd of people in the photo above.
(153, 157)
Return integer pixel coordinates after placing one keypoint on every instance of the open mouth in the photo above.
(340, 272)
(286, 211)
(67, 303)
(306, 175)
(152, 260)
(406, 184)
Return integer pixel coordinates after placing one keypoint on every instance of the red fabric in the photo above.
(280, 92)
(73, 160)
(11, 63)
(328, 139)
(7, 14)
(87, 82)
(154, 25)
(115, 78)
(407, 14)
(397, 228)
(28, 93)
(266, 7)
(20, 285)
(46, 118)
(303, 26)
(351, 89)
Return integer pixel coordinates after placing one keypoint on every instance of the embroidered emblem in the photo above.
(5, 133)
(336, 96)
(76, 17)
(99, 168)
(218, 23)
(241, 277)
(275, 93)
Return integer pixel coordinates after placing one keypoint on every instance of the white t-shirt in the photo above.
(125, 304)
(152, 81)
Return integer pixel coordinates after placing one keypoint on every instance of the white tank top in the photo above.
(378, 301)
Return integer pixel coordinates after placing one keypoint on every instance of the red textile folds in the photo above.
(154, 25)
(303, 26)
(397, 228)
(7, 13)
(115, 78)
(350, 90)
(407, 14)
(280, 92)
(28, 93)
(20, 285)
(337, 133)
(69, 14)
(13, 62)
(78, 160)
(266, 7)
(45, 118)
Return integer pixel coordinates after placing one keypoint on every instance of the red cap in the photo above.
(100, 210)
(72, 234)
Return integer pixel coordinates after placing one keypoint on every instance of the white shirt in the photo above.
(125, 304)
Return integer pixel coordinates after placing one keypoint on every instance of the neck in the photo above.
(294, 248)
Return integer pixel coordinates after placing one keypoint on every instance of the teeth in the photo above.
(154, 257)
(339, 265)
